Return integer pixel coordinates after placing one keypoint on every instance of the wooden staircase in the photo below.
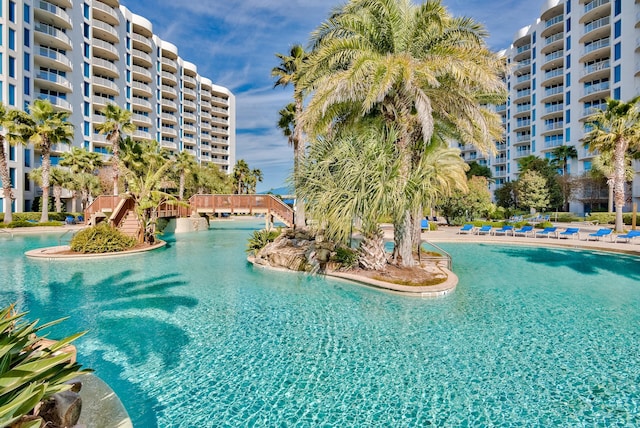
(129, 225)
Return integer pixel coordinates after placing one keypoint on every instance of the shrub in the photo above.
(31, 223)
(544, 224)
(345, 256)
(602, 218)
(101, 239)
(260, 239)
(31, 371)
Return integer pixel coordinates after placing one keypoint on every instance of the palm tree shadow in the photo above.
(588, 263)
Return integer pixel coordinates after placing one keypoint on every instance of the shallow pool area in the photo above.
(193, 336)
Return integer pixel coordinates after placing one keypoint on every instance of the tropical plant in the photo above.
(288, 72)
(616, 129)
(546, 169)
(101, 238)
(117, 123)
(468, 204)
(185, 164)
(31, 371)
(260, 238)
(412, 65)
(532, 190)
(83, 166)
(561, 156)
(58, 178)
(208, 178)
(6, 119)
(602, 165)
(477, 170)
(245, 179)
(44, 127)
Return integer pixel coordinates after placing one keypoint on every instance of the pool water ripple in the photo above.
(194, 336)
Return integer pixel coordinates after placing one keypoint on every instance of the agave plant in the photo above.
(30, 370)
(260, 239)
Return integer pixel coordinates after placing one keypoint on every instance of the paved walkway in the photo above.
(450, 234)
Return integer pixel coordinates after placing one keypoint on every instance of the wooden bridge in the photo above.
(119, 208)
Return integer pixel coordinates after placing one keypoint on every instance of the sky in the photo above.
(234, 42)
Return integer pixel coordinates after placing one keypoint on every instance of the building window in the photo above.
(567, 98)
(27, 182)
(27, 158)
(568, 7)
(87, 89)
(617, 51)
(86, 50)
(87, 108)
(12, 11)
(568, 43)
(12, 153)
(86, 31)
(26, 58)
(617, 29)
(27, 37)
(616, 73)
(27, 13)
(12, 39)
(616, 94)
(87, 130)
(567, 116)
(567, 135)
(12, 95)
(87, 72)
(27, 86)
(86, 11)
(568, 64)
(618, 7)
(12, 67)
(568, 24)
(568, 80)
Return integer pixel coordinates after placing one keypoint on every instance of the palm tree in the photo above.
(5, 176)
(414, 66)
(58, 178)
(616, 130)
(288, 72)
(83, 166)
(241, 173)
(43, 127)
(603, 165)
(561, 156)
(117, 123)
(185, 163)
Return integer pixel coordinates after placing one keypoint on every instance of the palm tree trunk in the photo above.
(46, 167)
(57, 194)
(371, 254)
(7, 192)
(403, 249)
(610, 186)
(619, 182)
(181, 189)
(298, 155)
(115, 160)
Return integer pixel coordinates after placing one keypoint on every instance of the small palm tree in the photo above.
(185, 163)
(616, 130)
(603, 164)
(118, 122)
(561, 156)
(5, 176)
(43, 127)
(58, 178)
(83, 165)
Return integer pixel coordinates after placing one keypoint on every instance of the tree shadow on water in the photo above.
(582, 261)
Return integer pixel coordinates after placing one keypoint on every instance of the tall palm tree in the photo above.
(5, 176)
(616, 129)
(288, 72)
(43, 127)
(117, 123)
(414, 66)
(185, 164)
(603, 165)
(561, 156)
(58, 178)
(83, 166)
(241, 173)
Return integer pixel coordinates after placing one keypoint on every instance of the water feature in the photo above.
(192, 335)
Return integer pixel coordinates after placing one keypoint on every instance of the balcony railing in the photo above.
(602, 86)
(553, 21)
(554, 38)
(593, 4)
(597, 66)
(594, 25)
(602, 43)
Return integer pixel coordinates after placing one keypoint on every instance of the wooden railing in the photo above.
(238, 204)
(120, 212)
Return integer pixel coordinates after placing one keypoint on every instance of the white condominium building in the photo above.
(561, 69)
(83, 54)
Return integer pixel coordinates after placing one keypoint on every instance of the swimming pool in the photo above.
(192, 335)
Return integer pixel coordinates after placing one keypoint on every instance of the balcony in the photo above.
(522, 110)
(169, 145)
(141, 120)
(189, 128)
(104, 67)
(595, 108)
(552, 110)
(219, 101)
(104, 31)
(169, 78)
(595, 9)
(141, 104)
(168, 131)
(141, 42)
(141, 89)
(595, 91)
(101, 102)
(189, 81)
(141, 73)
(141, 58)
(553, 25)
(52, 59)
(105, 13)
(105, 50)
(220, 121)
(205, 95)
(596, 70)
(553, 93)
(169, 105)
(521, 153)
(553, 76)
(552, 127)
(141, 135)
(553, 43)
(219, 131)
(52, 81)
(522, 138)
(553, 59)
(51, 14)
(189, 104)
(105, 85)
(169, 65)
(169, 118)
(189, 116)
(522, 95)
(522, 123)
(596, 49)
(47, 35)
(189, 93)
(169, 92)
(596, 29)
(58, 103)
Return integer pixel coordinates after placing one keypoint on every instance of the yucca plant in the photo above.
(31, 372)
(260, 239)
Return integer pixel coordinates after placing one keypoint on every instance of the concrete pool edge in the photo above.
(51, 253)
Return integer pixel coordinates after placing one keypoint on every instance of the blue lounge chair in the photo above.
(484, 230)
(503, 230)
(548, 231)
(467, 228)
(599, 234)
(524, 231)
(424, 224)
(570, 232)
(629, 236)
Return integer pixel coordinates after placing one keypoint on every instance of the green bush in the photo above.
(345, 256)
(32, 371)
(544, 224)
(260, 239)
(25, 223)
(101, 239)
(602, 218)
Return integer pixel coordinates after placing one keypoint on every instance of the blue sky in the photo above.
(234, 42)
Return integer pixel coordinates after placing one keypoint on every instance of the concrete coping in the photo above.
(51, 253)
(101, 407)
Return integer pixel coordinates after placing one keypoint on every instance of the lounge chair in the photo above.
(484, 230)
(424, 224)
(570, 231)
(599, 234)
(548, 231)
(467, 228)
(524, 231)
(503, 230)
(629, 236)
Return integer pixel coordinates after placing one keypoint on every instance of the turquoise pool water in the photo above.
(193, 336)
